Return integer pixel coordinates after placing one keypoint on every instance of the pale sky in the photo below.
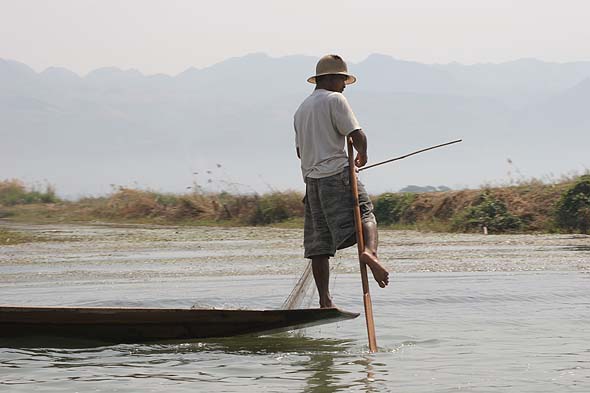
(172, 35)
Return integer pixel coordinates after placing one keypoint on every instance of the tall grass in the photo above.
(249, 209)
(14, 192)
(527, 207)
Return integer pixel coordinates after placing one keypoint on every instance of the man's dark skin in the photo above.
(321, 263)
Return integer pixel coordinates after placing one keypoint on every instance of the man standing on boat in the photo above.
(322, 124)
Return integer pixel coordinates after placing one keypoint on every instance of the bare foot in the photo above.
(327, 303)
(380, 274)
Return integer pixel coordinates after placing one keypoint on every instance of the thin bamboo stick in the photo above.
(410, 154)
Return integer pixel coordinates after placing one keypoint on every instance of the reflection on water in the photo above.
(578, 248)
(277, 343)
(327, 377)
(323, 377)
(321, 365)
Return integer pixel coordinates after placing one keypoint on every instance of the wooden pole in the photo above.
(360, 241)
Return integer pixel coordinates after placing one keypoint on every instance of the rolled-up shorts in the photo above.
(329, 214)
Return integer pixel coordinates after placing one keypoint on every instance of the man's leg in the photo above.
(369, 257)
(321, 273)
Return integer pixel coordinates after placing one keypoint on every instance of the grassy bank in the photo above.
(528, 207)
(13, 237)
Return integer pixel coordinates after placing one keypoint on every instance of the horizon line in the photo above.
(266, 55)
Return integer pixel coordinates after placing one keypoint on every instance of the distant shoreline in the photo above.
(532, 207)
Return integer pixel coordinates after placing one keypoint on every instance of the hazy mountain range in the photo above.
(229, 126)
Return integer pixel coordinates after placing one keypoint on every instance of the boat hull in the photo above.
(129, 325)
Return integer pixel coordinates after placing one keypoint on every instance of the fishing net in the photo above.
(303, 292)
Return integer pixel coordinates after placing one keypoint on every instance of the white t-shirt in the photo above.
(322, 122)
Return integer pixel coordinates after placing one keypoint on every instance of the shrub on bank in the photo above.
(390, 208)
(277, 207)
(136, 204)
(527, 207)
(128, 203)
(234, 207)
(14, 192)
(573, 208)
(250, 209)
(487, 211)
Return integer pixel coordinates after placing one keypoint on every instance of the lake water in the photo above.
(469, 313)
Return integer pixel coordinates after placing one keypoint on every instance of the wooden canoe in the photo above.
(129, 325)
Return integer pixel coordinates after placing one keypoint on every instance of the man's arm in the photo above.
(359, 141)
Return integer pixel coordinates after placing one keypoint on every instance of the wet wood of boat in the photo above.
(127, 325)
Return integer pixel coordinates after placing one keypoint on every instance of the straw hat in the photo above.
(332, 65)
